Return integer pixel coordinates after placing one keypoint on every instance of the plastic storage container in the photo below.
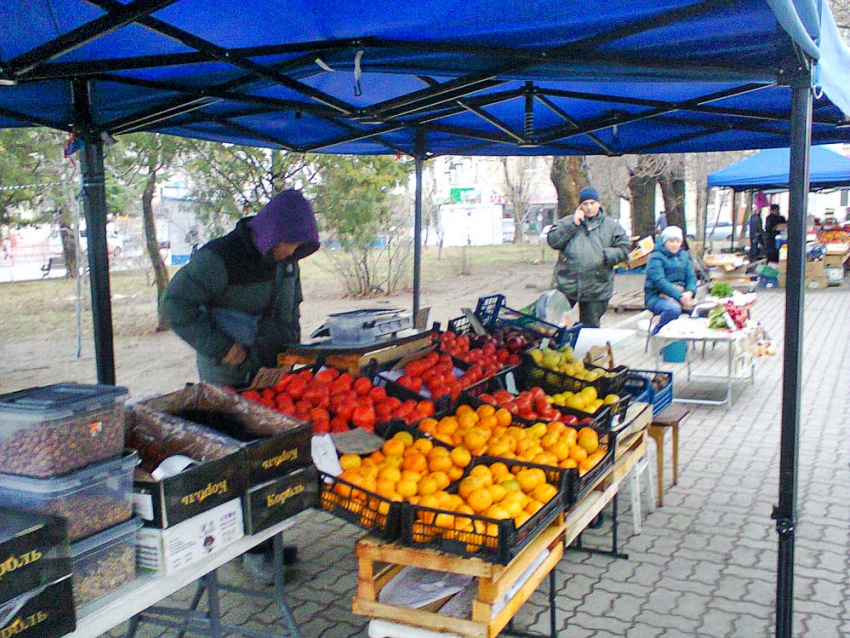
(365, 326)
(54, 429)
(90, 499)
(104, 562)
(676, 352)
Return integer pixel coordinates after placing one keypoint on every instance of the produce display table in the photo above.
(380, 561)
(740, 365)
(149, 588)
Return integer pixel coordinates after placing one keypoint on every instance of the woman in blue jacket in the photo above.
(670, 281)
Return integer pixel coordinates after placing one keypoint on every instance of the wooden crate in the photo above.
(379, 562)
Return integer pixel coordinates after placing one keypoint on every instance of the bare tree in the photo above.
(569, 175)
(518, 177)
(609, 176)
(699, 166)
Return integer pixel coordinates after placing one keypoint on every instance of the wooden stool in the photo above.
(669, 419)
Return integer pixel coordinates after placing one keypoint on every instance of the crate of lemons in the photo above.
(587, 398)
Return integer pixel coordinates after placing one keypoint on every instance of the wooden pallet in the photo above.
(627, 301)
(494, 581)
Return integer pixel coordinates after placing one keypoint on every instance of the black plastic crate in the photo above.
(378, 515)
(619, 409)
(638, 386)
(555, 382)
(579, 486)
(491, 540)
(493, 313)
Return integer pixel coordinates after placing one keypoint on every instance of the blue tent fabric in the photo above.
(769, 169)
(485, 77)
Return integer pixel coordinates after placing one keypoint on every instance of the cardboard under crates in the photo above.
(45, 612)
(169, 550)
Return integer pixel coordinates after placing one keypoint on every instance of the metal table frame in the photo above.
(137, 601)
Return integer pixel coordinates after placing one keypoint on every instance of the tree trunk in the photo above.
(69, 250)
(642, 189)
(152, 246)
(702, 200)
(673, 190)
(569, 177)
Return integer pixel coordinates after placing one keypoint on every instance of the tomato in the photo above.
(315, 393)
(416, 368)
(267, 394)
(411, 383)
(393, 402)
(346, 409)
(426, 407)
(364, 417)
(296, 387)
(405, 410)
(306, 374)
(251, 395)
(284, 381)
(523, 402)
(537, 393)
(284, 404)
(383, 412)
(322, 427)
(339, 424)
(325, 377)
(378, 394)
(303, 406)
(362, 386)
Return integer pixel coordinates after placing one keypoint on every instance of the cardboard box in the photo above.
(835, 260)
(834, 276)
(813, 268)
(281, 498)
(46, 612)
(273, 443)
(33, 552)
(169, 550)
(810, 283)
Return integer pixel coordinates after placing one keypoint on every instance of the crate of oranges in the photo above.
(483, 429)
(372, 489)
(495, 510)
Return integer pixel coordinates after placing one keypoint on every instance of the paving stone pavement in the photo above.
(704, 565)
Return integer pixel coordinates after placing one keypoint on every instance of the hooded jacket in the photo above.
(231, 291)
(588, 254)
(668, 274)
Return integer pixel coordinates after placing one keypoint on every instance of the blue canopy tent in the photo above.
(481, 77)
(769, 170)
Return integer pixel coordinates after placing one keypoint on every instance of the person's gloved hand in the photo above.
(578, 216)
(236, 355)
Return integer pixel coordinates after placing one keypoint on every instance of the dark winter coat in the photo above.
(588, 254)
(668, 274)
(229, 292)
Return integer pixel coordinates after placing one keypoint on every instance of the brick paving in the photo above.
(704, 565)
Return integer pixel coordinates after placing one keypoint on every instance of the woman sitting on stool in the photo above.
(671, 285)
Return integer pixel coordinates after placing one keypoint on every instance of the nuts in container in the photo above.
(104, 562)
(91, 499)
(55, 429)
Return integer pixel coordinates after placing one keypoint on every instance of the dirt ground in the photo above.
(150, 363)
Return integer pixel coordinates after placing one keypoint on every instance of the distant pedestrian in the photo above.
(756, 231)
(661, 224)
(590, 245)
(773, 225)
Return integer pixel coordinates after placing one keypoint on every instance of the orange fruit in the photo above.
(441, 463)
(423, 445)
(503, 417)
(377, 456)
(469, 485)
(512, 507)
(488, 423)
(533, 507)
(385, 487)
(537, 430)
(485, 410)
(556, 426)
(475, 438)
(446, 521)
(544, 492)
(404, 437)
(483, 472)
(393, 447)
(442, 479)
(521, 519)
(578, 453)
(447, 425)
(428, 425)
(388, 472)
(460, 457)
(549, 439)
(348, 461)
(416, 462)
(427, 486)
(498, 446)
(479, 499)
(497, 492)
(570, 434)
(499, 469)
(463, 409)
(497, 512)
(462, 522)
(455, 473)
(561, 450)
(406, 487)
(438, 451)
(568, 464)
(467, 420)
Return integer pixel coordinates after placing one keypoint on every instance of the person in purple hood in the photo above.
(237, 300)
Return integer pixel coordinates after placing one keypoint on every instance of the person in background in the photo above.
(590, 245)
(671, 285)
(661, 224)
(756, 232)
(772, 227)
(237, 300)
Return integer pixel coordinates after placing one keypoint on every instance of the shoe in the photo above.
(259, 566)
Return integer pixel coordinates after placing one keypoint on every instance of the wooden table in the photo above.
(150, 588)
(379, 561)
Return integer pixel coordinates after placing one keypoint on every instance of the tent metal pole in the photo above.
(417, 221)
(94, 207)
(705, 220)
(786, 512)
